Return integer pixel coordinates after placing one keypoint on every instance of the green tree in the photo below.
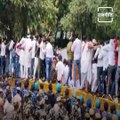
(82, 16)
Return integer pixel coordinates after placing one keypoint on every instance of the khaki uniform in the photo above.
(42, 114)
(76, 112)
(17, 100)
(27, 106)
(58, 112)
(69, 52)
(51, 115)
(47, 108)
(1, 107)
(8, 111)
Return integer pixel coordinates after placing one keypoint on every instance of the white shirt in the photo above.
(49, 50)
(76, 48)
(33, 48)
(42, 54)
(11, 44)
(3, 49)
(60, 70)
(105, 59)
(110, 48)
(118, 56)
(65, 74)
(99, 54)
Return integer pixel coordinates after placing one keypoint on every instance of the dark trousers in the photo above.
(111, 80)
(37, 75)
(70, 71)
(77, 64)
(100, 79)
(32, 67)
(42, 68)
(118, 82)
(105, 77)
(16, 66)
(3, 64)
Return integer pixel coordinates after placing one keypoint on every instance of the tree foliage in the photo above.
(16, 16)
(83, 14)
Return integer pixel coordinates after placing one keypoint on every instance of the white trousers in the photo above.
(26, 72)
(83, 80)
(86, 77)
(35, 66)
(22, 73)
(94, 74)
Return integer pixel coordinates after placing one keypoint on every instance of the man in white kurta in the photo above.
(86, 65)
(20, 53)
(28, 57)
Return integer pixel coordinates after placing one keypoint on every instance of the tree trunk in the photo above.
(25, 20)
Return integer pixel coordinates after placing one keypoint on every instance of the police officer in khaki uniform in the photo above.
(53, 113)
(8, 108)
(27, 107)
(17, 99)
(41, 112)
(76, 111)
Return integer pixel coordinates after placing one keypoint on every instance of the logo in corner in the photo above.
(105, 14)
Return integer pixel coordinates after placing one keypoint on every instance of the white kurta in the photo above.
(27, 53)
(20, 52)
(36, 62)
(94, 77)
(21, 60)
(86, 62)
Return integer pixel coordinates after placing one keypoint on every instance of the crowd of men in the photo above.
(97, 64)
(24, 103)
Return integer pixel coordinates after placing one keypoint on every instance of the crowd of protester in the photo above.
(90, 66)
(24, 103)
(35, 57)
